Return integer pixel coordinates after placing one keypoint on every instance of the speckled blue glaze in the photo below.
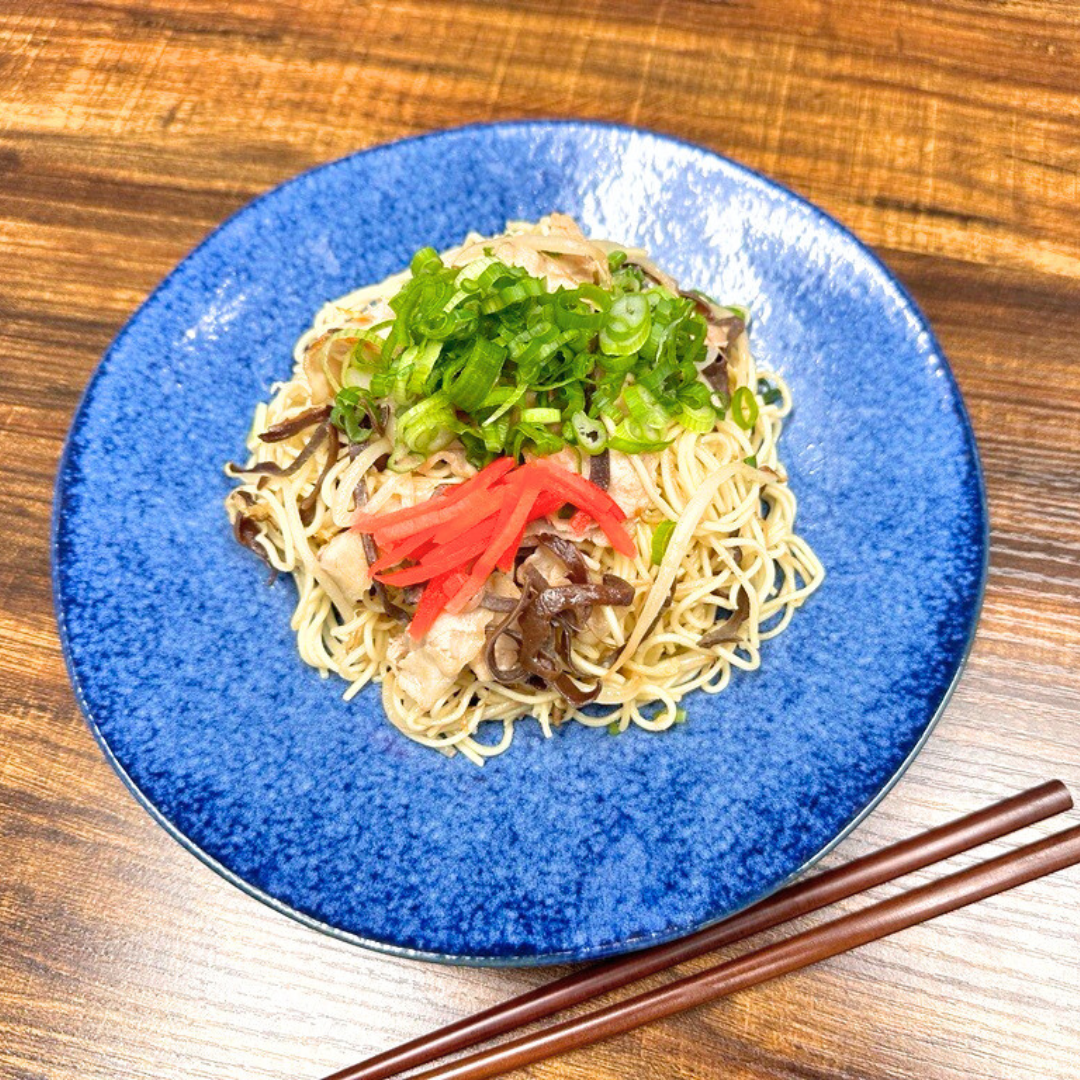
(584, 845)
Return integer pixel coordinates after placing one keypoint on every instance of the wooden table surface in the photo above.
(946, 134)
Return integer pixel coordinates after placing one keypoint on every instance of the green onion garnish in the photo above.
(478, 376)
(426, 257)
(506, 398)
(613, 728)
(700, 418)
(540, 416)
(644, 409)
(628, 439)
(744, 408)
(428, 425)
(489, 354)
(768, 393)
(751, 461)
(627, 327)
(588, 434)
(420, 366)
(348, 411)
(660, 540)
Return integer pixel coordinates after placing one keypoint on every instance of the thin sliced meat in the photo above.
(344, 560)
(427, 671)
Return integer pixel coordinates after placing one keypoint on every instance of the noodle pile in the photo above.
(734, 555)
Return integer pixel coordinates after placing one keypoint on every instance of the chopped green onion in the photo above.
(496, 274)
(582, 308)
(626, 445)
(680, 716)
(422, 366)
(599, 298)
(614, 728)
(509, 398)
(488, 354)
(573, 393)
(751, 461)
(494, 434)
(744, 408)
(362, 358)
(660, 540)
(590, 435)
(476, 451)
(700, 418)
(618, 365)
(478, 376)
(426, 260)
(539, 437)
(770, 394)
(428, 425)
(540, 416)
(401, 369)
(629, 439)
(540, 348)
(644, 409)
(628, 278)
(512, 294)
(403, 460)
(347, 413)
(694, 394)
(627, 327)
(468, 275)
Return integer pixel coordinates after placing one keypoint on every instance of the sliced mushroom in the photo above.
(287, 428)
(271, 468)
(600, 469)
(728, 631)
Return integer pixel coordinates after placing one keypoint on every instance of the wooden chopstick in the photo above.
(816, 892)
(830, 939)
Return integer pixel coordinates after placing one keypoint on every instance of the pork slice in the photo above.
(428, 670)
(625, 486)
(343, 560)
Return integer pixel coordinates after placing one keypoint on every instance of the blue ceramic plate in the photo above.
(583, 845)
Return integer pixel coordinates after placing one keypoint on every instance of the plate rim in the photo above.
(644, 941)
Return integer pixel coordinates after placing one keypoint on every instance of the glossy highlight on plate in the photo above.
(558, 850)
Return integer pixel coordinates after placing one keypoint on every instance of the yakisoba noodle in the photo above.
(733, 548)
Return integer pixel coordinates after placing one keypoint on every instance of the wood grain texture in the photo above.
(946, 134)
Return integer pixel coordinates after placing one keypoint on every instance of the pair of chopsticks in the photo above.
(830, 939)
